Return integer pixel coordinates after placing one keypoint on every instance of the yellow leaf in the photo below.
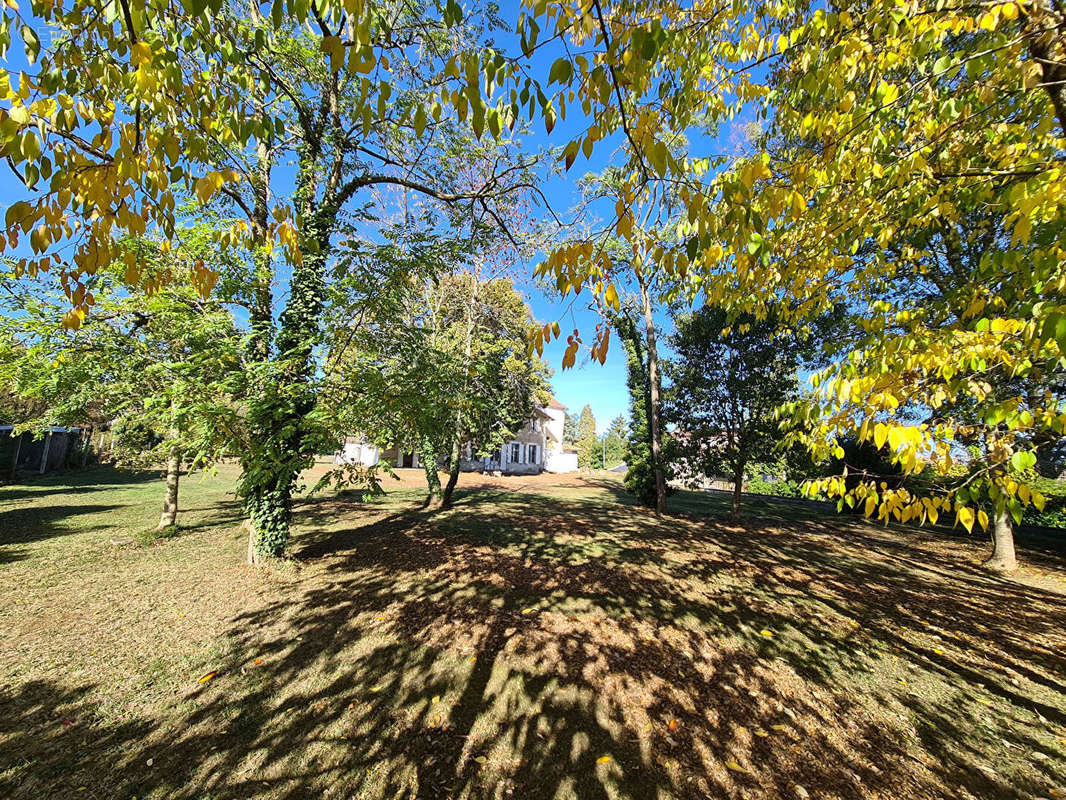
(733, 765)
(604, 760)
(207, 186)
(333, 46)
(208, 676)
(871, 505)
(610, 296)
(766, 633)
(140, 53)
(965, 515)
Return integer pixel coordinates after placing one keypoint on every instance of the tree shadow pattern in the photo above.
(531, 646)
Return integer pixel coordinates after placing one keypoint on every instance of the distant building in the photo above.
(538, 447)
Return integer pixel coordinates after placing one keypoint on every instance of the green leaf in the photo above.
(32, 41)
(1023, 460)
(560, 71)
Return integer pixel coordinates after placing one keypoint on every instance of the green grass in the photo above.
(534, 641)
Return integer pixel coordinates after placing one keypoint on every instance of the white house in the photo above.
(538, 447)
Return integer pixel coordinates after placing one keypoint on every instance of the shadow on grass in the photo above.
(525, 645)
(21, 526)
(82, 481)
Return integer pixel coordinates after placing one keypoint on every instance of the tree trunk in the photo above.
(738, 489)
(169, 518)
(428, 453)
(87, 448)
(15, 460)
(1044, 26)
(453, 474)
(1003, 558)
(653, 393)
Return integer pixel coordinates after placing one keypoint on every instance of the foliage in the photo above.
(758, 484)
(640, 473)
(570, 429)
(588, 445)
(885, 122)
(166, 369)
(439, 361)
(614, 443)
(728, 377)
(1053, 515)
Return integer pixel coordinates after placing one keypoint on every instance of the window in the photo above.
(532, 454)
(515, 452)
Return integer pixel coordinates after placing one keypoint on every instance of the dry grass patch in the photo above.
(543, 639)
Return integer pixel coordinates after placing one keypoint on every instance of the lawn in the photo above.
(543, 639)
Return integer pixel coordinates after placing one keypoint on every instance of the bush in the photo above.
(773, 487)
(1054, 513)
(134, 440)
(640, 477)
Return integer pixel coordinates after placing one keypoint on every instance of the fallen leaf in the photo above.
(779, 728)
(766, 633)
(377, 688)
(150, 761)
(604, 759)
(733, 765)
(473, 659)
(208, 676)
(672, 725)
(761, 733)
(436, 698)
(481, 759)
(257, 662)
(529, 610)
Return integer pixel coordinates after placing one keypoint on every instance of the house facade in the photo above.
(538, 447)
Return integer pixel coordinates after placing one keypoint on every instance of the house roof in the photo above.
(553, 403)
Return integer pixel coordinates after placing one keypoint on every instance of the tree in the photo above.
(168, 365)
(588, 445)
(446, 369)
(894, 124)
(204, 104)
(728, 378)
(614, 444)
(640, 479)
(624, 256)
(570, 429)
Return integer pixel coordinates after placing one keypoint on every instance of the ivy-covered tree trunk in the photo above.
(281, 444)
(427, 452)
(453, 473)
(169, 517)
(1003, 558)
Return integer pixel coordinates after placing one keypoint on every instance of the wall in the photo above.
(561, 462)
